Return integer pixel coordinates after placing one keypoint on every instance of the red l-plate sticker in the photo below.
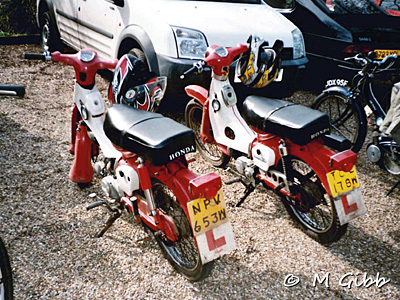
(212, 242)
(348, 208)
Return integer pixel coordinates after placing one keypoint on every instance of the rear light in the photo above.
(205, 186)
(355, 49)
(343, 161)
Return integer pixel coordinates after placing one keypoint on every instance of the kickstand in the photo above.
(393, 187)
(115, 213)
(113, 217)
(249, 189)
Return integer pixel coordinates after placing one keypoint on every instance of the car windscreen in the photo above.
(362, 7)
(281, 4)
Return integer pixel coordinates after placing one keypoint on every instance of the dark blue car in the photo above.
(335, 29)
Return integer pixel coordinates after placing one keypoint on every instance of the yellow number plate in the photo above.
(341, 182)
(206, 214)
(380, 54)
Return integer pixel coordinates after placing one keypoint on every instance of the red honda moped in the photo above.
(140, 156)
(276, 144)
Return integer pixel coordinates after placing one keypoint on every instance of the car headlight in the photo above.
(191, 43)
(299, 50)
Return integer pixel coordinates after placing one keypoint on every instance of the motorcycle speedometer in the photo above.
(221, 52)
(87, 56)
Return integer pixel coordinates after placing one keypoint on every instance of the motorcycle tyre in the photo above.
(330, 234)
(6, 275)
(194, 107)
(172, 250)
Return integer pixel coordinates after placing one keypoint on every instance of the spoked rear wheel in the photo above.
(210, 151)
(6, 285)
(315, 211)
(346, 118)
(183, 254)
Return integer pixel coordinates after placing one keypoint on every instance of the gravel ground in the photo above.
(47, 229)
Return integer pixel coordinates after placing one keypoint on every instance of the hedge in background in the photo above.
(17, 17)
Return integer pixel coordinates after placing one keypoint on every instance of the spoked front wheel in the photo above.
(210, 151)
(391, 161)
(347, 119)
(6, 284)
(315, 211)
(183, 254)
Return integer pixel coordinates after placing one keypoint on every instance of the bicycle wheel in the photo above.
(6, 284)
(183, 254)
(347, 119)
(210, 151)
(390, 163)
(315, 211)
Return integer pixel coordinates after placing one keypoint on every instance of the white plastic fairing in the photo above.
(127, 179)
(94, 105)
(229, 117)
(263, 156)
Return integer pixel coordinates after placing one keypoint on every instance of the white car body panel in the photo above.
(68, 28)
(232, 27)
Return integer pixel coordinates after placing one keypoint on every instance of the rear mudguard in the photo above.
(182, 182)
(320, 158)
(177, 177)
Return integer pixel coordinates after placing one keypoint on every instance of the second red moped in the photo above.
(276, 144)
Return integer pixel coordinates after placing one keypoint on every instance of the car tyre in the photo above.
(49, 36)
(139, 54)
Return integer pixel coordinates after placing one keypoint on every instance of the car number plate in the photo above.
(341, 182)
(206, 214)
(380, 54)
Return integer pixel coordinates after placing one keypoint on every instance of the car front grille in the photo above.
(287, 54)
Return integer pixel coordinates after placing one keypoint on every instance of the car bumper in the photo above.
(173, 68)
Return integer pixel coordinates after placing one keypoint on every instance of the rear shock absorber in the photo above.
(287, 166)
(145, 183)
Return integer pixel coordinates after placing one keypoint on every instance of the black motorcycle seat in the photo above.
(156, 138)
(300, 124)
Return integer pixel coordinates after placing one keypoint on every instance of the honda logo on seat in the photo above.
(321, 132)
(182, 152)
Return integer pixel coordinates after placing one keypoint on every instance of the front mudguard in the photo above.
(333, 90)
(82, 170)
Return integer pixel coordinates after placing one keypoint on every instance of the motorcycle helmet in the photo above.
(129, 83)
(259, 65)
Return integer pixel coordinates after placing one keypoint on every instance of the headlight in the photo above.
(298, 44)
(190, 43)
